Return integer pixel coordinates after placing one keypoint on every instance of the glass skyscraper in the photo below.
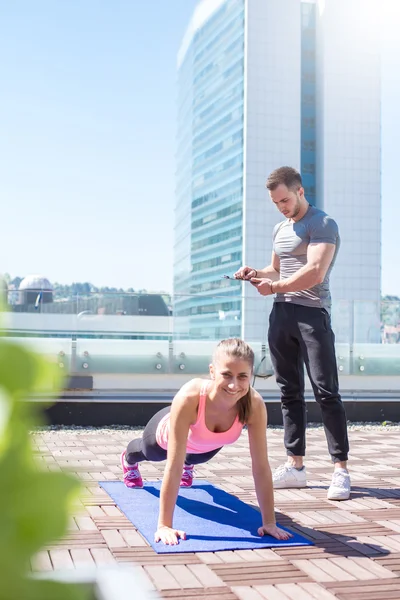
(308, 100)
(259, 87)
(209, 210)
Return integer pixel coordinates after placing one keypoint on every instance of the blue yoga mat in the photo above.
(212, 519)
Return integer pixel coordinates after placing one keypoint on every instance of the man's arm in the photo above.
(319, 257)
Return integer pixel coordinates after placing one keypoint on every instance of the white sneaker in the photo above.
(340, 486)
(289, 477)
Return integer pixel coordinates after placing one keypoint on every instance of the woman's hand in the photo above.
(275, 531)
(169, 535)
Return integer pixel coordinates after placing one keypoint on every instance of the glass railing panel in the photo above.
(212, 315)
(200, 321)
(94, 315)
(367, 322)
(57, 350)
(376, 335)
(343, 358)
(123, 334)
(95, 303)
(104, 333)
(376, 359)
(122, 327)
(102, 356)
(390, 321)
(192, 357)
(133, 333)
(256, 313)
(27, 321)
(262, 359)
(342, 322)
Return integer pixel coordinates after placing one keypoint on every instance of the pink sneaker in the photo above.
(187, 476)
(132, 477)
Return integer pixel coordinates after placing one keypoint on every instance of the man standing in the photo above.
(305, 245)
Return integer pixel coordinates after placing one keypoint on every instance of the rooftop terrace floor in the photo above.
(357, 543)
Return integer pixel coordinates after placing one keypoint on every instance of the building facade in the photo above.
(261, 84)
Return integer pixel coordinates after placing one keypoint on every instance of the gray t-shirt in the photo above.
(290, 242)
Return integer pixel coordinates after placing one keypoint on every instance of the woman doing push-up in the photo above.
(205, 415)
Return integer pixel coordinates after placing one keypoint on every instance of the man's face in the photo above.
(287, 201)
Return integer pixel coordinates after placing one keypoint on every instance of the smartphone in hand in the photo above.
(233, 278)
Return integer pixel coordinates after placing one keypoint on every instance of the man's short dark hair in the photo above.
(286, 176)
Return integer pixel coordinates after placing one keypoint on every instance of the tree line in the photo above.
(63, 291)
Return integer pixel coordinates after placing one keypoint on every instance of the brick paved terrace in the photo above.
(357, 543)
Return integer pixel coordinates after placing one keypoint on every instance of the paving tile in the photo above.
(133, 538)
(393, 525)
(112, 511)
(147, 556)
(81, 557)
(102, 557)
(162, 579)
(350, 566)
(41, 562)
(317, 591)
(209, 558)
(113, 538)
(184, 576)
(333, 570)
(374, 567)
(61, 559)
(208, 593)
(248, 593)
(313, 570)
(268, 554)
(294, 591)
(227, 556)
(249, 556)
(391, 542)
(82, 539)
(85, 524)
(95, 511)
(371, 590)
(206, 575)
(258, 573)
(390, 562)
(271, 592)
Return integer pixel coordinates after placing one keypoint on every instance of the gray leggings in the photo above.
(146, 447)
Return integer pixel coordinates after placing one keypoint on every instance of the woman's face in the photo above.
(231, 376)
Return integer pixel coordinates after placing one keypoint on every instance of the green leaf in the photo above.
(34, 504)
(34, 507)
(18, 368)
(40, 589)
(22, 372)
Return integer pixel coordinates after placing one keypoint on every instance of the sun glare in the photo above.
(390, 20)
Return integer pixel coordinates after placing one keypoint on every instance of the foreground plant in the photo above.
(34, 504)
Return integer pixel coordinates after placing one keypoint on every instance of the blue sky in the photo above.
(87, 117)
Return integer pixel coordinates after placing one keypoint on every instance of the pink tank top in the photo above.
(200, 438)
